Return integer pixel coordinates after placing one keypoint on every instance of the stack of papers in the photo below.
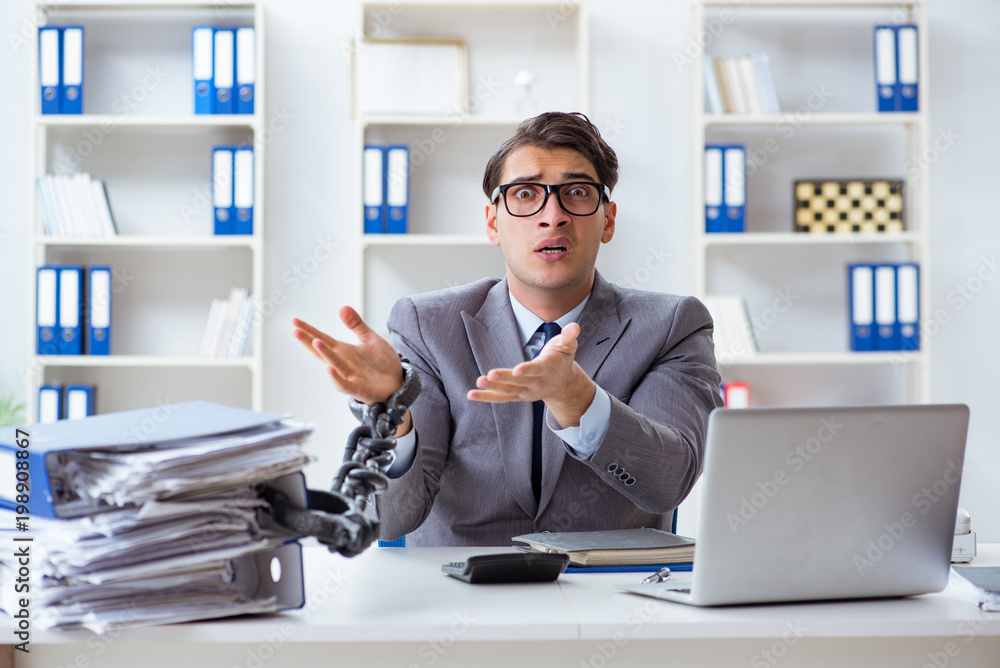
(75, 206)
(166, 530)
(228, 328)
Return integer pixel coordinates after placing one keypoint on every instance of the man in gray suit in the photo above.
(623, 380)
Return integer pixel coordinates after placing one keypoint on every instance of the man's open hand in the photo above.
(369, 371)
(553, 376)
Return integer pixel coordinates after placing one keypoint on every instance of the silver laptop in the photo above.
(824, 503)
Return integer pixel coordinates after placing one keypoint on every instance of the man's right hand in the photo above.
(369, 371)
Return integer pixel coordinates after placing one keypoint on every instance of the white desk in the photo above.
(394, 607)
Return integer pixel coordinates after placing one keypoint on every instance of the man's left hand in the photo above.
(553, 376)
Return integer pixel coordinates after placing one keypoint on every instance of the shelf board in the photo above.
(192, 122)
(842, 358)
(791, 119)
(802, 238)
(424, 240)
(135, 241)
(50, 5)
(451, 120)
(464, 5)
(140, 361)
(806, 4)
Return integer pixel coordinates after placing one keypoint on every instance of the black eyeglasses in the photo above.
(577, 198)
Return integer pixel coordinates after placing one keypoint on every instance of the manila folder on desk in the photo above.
(622, 547)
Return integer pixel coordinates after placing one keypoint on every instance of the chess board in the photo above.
(859, 205)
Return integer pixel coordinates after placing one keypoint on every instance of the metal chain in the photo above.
(338, 518)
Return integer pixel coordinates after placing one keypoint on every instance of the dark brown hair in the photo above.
(553, 130)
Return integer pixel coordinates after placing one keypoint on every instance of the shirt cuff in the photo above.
(406, 451)
(583, 440)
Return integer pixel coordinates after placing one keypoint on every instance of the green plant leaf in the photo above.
(11, 413)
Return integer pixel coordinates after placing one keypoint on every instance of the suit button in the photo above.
(630, 481)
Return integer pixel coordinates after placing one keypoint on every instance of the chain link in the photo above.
(338, 518)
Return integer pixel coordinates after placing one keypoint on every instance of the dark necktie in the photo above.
(548, 330)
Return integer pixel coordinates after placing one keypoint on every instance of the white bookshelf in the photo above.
(156, 331)
(446, 243)
(730, 263)
(811, 364)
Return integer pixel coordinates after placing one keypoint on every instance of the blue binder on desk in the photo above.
(202, 68)
(373, 174)
(886, 77)
(397, 188)
(99, 311)
(886, 326)
(70, 334)
(861, 306)
(50, 68)
(224, 69)
(47, 310)
(71, 90)
(907, 73)
(243, 191)
(222, 190)
(908, 305)
(246, 69)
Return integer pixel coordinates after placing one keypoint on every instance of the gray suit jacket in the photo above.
(470, 482)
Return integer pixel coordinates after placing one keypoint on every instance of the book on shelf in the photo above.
(725, 188)
(884, 306)
(733, 333)
(618, 547)
(223, 69)
(73, 309)
(60, 69)
(75, 206)
(227, 330)
(386, 188)
(741, 85)
(897, 76)
(72, 402)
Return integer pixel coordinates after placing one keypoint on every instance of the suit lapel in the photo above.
(600, 329)
(496, 344)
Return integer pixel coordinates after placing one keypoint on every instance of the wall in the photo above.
(640, 96)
